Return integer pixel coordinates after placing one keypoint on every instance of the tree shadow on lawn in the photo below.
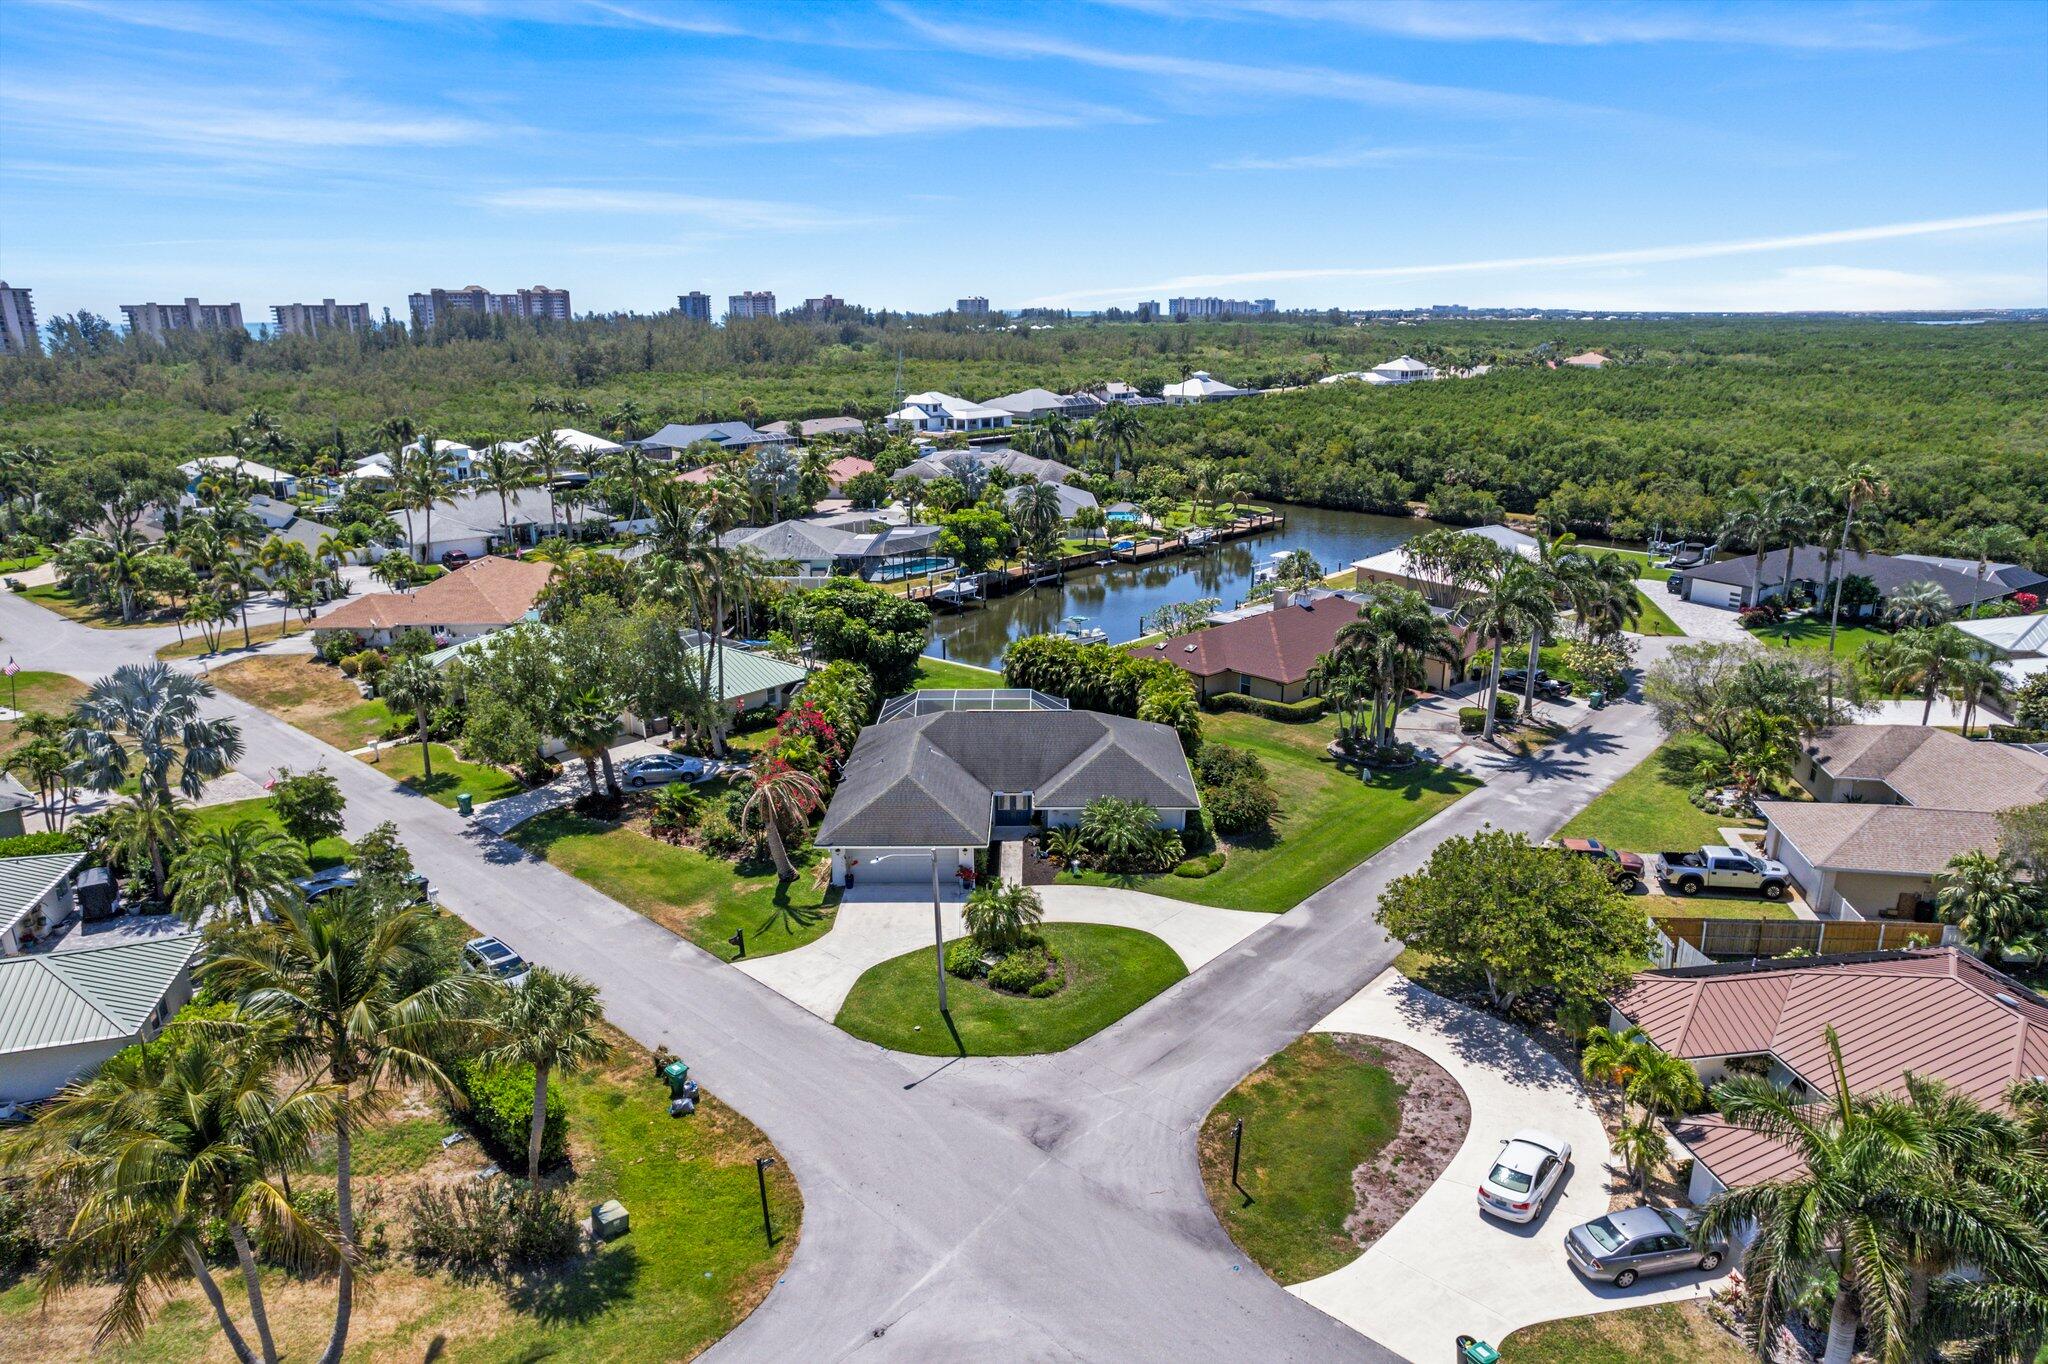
(430, 787)
(789, 917)
(579, 1292)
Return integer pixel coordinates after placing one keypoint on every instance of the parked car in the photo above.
(1623, 1246)
(489, 957)
(1718, 867)
(1516, 681)
(653, 769)
(453, 559)
(342, 878)
(1625, 869)
(1526, 1169)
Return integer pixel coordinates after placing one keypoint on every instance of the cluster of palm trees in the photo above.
(339, 1005)
(1377, 660)
(1504, 598)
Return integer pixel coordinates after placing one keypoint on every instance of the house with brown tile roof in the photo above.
(1267, 654)
(1937, 1013)
(488, 594)
(1892, 804)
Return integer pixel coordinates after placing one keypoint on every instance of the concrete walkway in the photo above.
(876, 923)
(1445, 1267)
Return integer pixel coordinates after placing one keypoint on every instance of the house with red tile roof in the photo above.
(1268, 650)
(1936, 1013)
(485, 595)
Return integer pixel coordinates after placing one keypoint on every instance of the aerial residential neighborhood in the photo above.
(1264, 682)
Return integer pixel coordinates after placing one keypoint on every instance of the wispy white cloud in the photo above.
(1290, 82)
(787, 108)
(1342, 158)
(749, 214)
(1813, 27)
(194, 20)
(215, 122)
(1841, 288)
(1652, 255)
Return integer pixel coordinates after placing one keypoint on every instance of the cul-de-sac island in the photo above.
(1184, 829)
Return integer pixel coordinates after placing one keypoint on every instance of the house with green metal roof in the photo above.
(63, 1013)
(35, 896)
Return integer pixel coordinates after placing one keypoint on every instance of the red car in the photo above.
(1626, 868)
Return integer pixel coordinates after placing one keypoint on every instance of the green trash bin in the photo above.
(463, 804)
(1472, 1350)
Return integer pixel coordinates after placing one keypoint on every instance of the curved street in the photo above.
(1043, 1208)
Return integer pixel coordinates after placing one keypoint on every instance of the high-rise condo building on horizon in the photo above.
(750, 303)
(695, 305)
(436, 306)
(311, 319)
(155, 319)
(18, 334)
(972, 307)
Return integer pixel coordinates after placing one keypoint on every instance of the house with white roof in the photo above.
(2016, 645)
(1202, 387)
(276, 482)
(458, 462)
(1395, 566)
(579, 443)
(941, 412)
(1405, 369)
(63, 1013)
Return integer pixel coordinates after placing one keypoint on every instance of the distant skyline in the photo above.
(1706, 157)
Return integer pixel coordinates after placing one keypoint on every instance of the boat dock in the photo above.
(968, 589)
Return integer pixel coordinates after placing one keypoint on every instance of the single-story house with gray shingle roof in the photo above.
(1015, 463)
(858, 543)
(676, 437)
(35, 896)
(1735, 583)
(2015, 577)
(1072, 499)
(63, 1013)
(944, 784)
(16, 801)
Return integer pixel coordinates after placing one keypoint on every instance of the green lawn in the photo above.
(694, 1264)
(1710, 904)
(1647, 810)
(60, 600)
(1654, 621)
(1329, 819)
(263, 631)
(1639, 558)
(1809, 633)
(705, 899)
(938, 674)
(328, 852)
(51, 693)
(25, 562)
(1664, 1333)
(1110, 971)
(452, 776)
(1312, 1114)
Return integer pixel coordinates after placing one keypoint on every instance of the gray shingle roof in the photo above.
(25, 880)
(929, 780)
(94, 994)
(731, 435)
(1888, 572)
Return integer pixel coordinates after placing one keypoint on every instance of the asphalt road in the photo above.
(1029, 1208)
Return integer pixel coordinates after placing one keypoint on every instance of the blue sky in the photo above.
(1749, 157)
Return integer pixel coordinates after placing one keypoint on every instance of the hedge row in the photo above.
(1285, 712)
(2018, 734)
(501, 1110)
(33, 845)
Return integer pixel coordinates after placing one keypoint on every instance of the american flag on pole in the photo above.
(12, 666)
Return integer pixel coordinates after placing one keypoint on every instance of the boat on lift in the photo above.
(1080, 631)
(1273, 566)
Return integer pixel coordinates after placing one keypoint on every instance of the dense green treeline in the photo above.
(1956, 416)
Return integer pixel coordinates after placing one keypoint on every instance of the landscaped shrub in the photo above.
(1018, 972)
(475, 1228)
(1285, 712)
(1240, 806)
(1471, 719)
(673, 810)
(338, 645)
(501, 1110)
(963, 959)
(720, 837)
(1195, 868)
(19, 1245)
(2014, 734)
(35, 845)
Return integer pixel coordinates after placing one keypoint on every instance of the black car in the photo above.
(1515, 681)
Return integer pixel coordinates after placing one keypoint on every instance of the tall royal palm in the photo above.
(502, 472)
(548, 457)
(1854, 487)
(413, 684)
(1036, 514)
(1117, 429)
(554, 1023)
(1513, 604)
(1746, 522)
(424, 485)
(157, 1148)
(357, 1000)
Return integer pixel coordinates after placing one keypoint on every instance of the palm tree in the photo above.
(1855, 487)
(422, 486)
(1642, 1148)
(1117, 429)
(779, 794)
(239, 571)
(1648, 1076)
(1119, 829)
(1053, 438)
(159, 1145)
(552, 1022)
(247, 866)
(358, 996)
(1514, 603)
(145, 717)
(1919, 604)
(776, 470)
(1864, 1196)
(411, 683)
(1001, 915)
(210, 614)
(147, 831)
(1923, 658)
(503, 472)
(590, 721)
(1989, 907)
(110, 564)
(548, 456)
(1747, 522)
(1388, 647)
(1970, 682)
(1987, 545)
(1036, 513)
(631, 467)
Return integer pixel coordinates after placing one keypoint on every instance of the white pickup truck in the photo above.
(1717, 867)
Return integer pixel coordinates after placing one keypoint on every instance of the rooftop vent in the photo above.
(2007, 1000)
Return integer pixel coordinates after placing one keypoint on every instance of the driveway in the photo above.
(876, 923)
(1445, 1267)
(1698, 622)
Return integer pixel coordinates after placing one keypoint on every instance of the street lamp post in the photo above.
(761, 1164)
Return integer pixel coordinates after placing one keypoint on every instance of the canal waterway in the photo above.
(1118, 598)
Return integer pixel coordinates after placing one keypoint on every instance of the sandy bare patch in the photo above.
(1434, 1119)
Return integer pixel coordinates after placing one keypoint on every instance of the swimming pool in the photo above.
(911, 568)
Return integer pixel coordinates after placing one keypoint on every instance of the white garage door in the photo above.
(893, 866)
(1713, 594)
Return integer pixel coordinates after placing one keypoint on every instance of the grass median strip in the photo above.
(452, 776)
(1110, 971)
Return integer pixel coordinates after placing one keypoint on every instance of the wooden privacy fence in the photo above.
(1776, 937)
